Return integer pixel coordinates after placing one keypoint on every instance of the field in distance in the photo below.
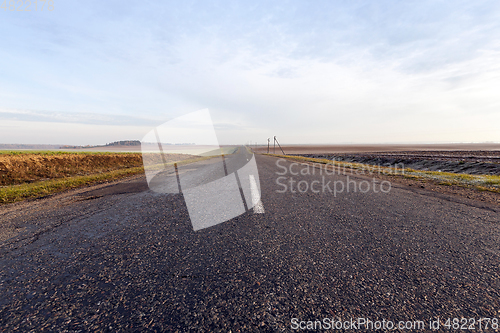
(359, 148)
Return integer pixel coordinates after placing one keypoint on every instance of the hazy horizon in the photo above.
(366, 144)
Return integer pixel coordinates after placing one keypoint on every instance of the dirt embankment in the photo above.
(26, 168)
(468, 162)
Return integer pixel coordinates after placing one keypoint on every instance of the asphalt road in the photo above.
(121, 257)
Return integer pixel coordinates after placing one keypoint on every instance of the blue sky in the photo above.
(91, 72)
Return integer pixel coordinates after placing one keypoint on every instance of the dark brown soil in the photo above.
(465, 161)
(359, 148)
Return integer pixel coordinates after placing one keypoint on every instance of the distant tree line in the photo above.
(125, 143)
(116, 143)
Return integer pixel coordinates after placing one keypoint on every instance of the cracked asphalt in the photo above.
(119, 257)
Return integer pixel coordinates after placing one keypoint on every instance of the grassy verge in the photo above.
(489, 183)
(480, 182)
(230, 150)
(20, 167)
(13, 193)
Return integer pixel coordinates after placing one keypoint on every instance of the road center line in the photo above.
(258, 207)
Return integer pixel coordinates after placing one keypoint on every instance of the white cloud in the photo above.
(357, 72)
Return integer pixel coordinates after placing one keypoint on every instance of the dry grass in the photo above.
(25, 175)
(13, 193)
(489, 183)
(31, 167)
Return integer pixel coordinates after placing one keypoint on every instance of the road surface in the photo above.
(120, 257)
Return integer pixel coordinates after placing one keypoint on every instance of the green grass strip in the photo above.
(13, 193)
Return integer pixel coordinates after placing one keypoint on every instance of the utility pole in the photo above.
(276, 141)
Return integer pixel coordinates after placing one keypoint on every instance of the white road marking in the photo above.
(258, 207)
